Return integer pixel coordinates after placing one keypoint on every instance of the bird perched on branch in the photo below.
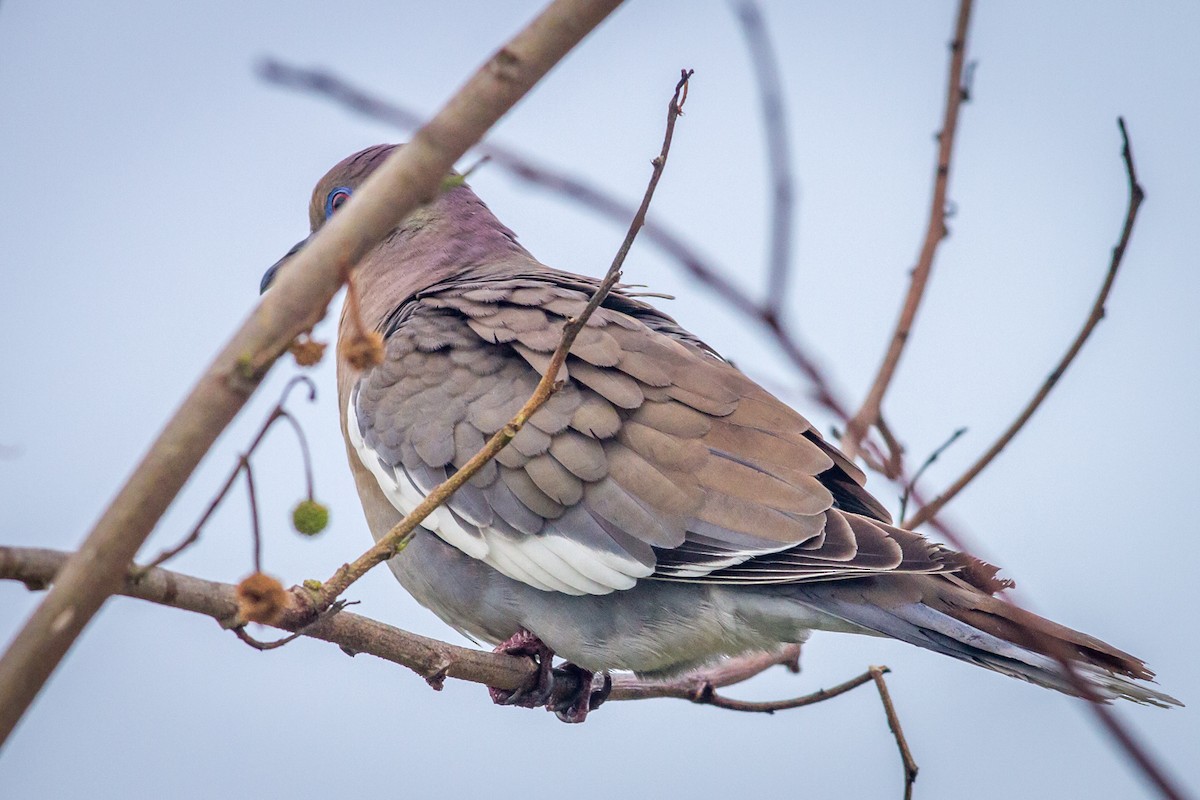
(660, 511)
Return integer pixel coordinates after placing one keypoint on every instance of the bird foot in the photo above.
(572, 705)
(537, 692)
(567, 690)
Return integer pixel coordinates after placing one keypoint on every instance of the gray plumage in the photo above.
(660, 511)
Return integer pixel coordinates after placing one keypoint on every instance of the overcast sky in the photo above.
(150, 177)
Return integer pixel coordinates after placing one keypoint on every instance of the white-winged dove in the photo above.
(661, 511)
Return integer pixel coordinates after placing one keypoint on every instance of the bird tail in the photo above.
(948, 615)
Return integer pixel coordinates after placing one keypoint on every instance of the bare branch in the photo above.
(910, 487)
(779, 162)
(893, 720)
(706, 694)
(432, 659)
(398, 537)
(868, 414)
(244, 463)
(1125, 739)
(297, 300)
(1136, 195)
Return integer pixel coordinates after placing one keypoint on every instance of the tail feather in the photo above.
(947, 615)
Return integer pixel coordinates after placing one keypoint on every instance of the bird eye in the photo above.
(335, 199)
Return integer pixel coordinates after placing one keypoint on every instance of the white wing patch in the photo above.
(548, 561)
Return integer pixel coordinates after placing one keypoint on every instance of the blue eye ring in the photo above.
(335, 198)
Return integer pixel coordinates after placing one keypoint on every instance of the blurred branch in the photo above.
(868, 414)
(298, 299)
(1136, 195)
(578, 190)
(779, 162)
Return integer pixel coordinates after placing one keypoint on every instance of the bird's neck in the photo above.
(452, 239)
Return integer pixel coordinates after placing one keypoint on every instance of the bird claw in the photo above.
(573, 707)
(548, 686)
(537, 692)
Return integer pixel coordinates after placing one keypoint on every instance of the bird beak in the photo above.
(269, 275)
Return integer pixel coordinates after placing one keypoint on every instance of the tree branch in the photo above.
(1136, 195)
(435, 660)
(868, 414)
(299, 298)
(432, 659)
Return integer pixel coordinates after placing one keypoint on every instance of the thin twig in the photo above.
(912, 482)
(893, 720)
(243, 462)
(299, 298)
(868, 414)
(728, 672)
(706, 694)
(252, 496)
(305, 455)
(398, 537)
(779, 162)
(1136, 195)
(241, 633)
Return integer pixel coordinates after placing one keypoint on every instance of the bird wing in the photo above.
(656, 458)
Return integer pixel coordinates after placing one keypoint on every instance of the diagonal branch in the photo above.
(1136, 195)
(868, 414)
(297, 301)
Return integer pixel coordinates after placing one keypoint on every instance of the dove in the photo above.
(660, 512)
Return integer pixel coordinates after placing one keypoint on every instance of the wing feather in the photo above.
(656, 459)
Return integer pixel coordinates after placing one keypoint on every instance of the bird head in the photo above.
(452, 234)
(331, 192)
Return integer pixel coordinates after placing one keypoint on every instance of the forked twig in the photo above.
(243, 464)
(1136, 195)
(701, 687)
(706, 694)
(398, 537)
(911, 485)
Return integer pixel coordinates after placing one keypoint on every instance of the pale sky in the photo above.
(151, 176)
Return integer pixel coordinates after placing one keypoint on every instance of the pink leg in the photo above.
(524, 643)
(569, 704)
